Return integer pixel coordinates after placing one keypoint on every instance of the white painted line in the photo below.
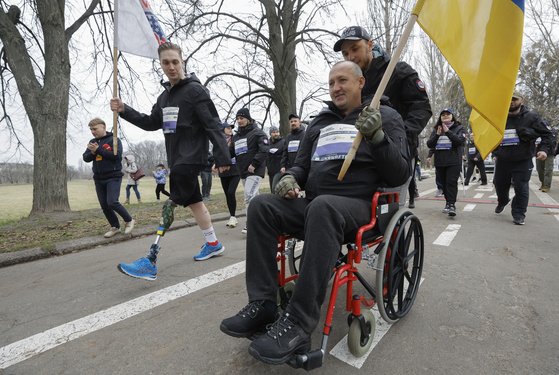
(469, 207)
(341, 350)
(494, 196)
(41, 342)
(478, 196)
(546, 199)
(446, 237)
(427, 192)
(464, 187)
(485, 188)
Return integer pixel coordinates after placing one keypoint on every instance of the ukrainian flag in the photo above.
(482, 41)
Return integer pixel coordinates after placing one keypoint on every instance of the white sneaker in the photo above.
(244, 231)
(129, 226)
(112, 232)
(232, 223)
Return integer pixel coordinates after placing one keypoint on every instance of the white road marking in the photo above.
(546, 199)
(469, 207)
(427, 192)
(446, 237)
(341, 350)
(478, 196)
(41, 342)
(484, 188)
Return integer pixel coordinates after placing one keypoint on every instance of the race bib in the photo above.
(510, 138)
(443, 143)
(293, 146)
(334, 142)
(471, 150)
(273, 150)
(233, 161)
(170, 116)
(241, 146)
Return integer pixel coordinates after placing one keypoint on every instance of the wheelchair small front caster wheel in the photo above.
(361, 333)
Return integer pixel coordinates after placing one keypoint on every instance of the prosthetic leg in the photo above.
(145, 268)
(167, 218)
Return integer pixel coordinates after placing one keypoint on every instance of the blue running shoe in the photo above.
(207, 251)
(141, 269)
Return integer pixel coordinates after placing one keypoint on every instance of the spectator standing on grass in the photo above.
(107, 174)
(160, 175)
(130, 168)
(230, 179)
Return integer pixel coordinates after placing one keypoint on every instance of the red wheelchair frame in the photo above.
(391, 260)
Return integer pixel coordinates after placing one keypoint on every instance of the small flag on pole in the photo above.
(482, 41)
(137, 30)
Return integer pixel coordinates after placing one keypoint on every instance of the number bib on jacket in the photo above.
(170, 116)
(334, 142)
(471, 150)
(443, 143)
(510, 138)
(273, 150)
(293, 146)
(241, 146)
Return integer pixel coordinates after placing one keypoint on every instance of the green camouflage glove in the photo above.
(285, 184)
(369, 124)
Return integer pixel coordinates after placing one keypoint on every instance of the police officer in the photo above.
(474, 160)
(330, 212)
(405, 89)
(513, 157)
(273, 162)
(292, 142)
(251, 148)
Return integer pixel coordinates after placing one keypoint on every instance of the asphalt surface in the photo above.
(488, 303)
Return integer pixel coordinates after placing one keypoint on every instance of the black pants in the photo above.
(206, 183)
(519, 173)
(108, 192)
(274, 178)
(229, 185)
(324, 223)
(481, 166)
(448, 177)
(160, 189)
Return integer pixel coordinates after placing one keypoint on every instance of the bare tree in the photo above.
(148, 154)
(386, 21)
(259, 67)
(43, 83)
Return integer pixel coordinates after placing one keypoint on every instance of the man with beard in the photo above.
(514, 157)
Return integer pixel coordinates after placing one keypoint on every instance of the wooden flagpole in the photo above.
(375, 103)
(115, 95)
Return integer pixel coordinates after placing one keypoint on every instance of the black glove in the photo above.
(369, 124)
(285, 184)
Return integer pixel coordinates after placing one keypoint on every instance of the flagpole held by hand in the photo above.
(115, 95)
(375, 103)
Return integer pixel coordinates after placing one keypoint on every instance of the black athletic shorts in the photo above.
(185, 188)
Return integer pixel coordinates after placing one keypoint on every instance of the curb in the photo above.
(85, 243)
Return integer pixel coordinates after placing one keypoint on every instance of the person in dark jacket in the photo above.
(545, 167)
(107, 174)
(230, 179)
(273, 162)
(513, 157)
(448, 138)
(474, 160)
(292, 142)
(206, 177)
(251, 148)
(405, 90)
(329, 214)
(189, 120)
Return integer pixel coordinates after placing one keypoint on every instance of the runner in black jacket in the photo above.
(331, 212)
(188, 118)
(292, 143)
(273, 162)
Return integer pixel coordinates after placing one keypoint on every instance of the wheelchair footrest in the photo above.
(308, 361)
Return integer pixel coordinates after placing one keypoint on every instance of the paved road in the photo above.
(489, 303)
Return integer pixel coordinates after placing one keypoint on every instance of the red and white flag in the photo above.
(137, 30)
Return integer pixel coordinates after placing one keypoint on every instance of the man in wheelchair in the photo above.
(330, 213)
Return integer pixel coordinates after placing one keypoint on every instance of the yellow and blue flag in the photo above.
(482, 41)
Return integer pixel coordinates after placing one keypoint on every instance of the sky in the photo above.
(97, 106)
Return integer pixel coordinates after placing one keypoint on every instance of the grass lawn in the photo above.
(18, 231)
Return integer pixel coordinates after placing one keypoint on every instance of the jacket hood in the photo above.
(190, 77)
(130, 158)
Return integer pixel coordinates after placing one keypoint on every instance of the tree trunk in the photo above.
(50, 192)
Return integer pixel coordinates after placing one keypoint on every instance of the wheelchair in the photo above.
(392, 244)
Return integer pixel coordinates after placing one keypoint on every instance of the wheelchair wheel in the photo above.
(400, 265)
(284, 294)
(293, 253)
(358, 341)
